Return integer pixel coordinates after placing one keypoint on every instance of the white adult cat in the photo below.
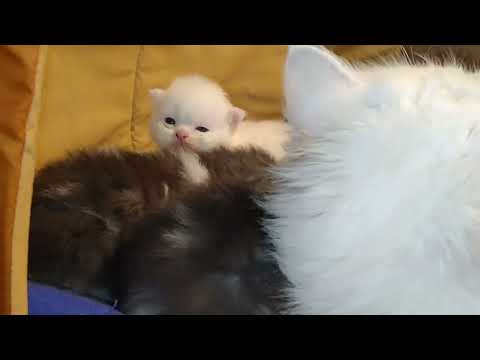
(195, 113)
(380, 213)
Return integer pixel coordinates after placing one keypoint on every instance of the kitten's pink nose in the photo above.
(181, 136)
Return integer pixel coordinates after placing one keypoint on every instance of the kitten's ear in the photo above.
(313, 76)
(156, 94)
(235, 117)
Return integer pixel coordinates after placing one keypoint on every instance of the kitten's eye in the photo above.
(201, 129)
(170, 121)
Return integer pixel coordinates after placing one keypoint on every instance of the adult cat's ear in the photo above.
(156, 94)
(314, 77)
(235, 117)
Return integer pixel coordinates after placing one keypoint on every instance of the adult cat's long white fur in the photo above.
(379, 212)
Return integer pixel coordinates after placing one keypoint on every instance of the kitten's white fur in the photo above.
(193, 170)
(272, 136)
(195, 101)
(379, 212)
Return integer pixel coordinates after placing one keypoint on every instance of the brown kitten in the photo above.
(82, 205)
(207, 255)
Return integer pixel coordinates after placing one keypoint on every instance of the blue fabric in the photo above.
(46, 300)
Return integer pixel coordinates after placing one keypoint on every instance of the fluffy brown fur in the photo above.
(208, 254)
(245, 167)
(82, 206)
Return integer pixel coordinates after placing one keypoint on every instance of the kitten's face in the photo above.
(173, 127)
(180, 121)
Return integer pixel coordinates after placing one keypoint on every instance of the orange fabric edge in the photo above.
(17, 87)
(19, 265)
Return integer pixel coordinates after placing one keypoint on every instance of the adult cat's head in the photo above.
(378, 213)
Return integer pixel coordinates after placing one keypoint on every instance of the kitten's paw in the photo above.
(193, 170)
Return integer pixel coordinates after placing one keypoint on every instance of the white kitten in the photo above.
(380, 212)
(194, 113)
